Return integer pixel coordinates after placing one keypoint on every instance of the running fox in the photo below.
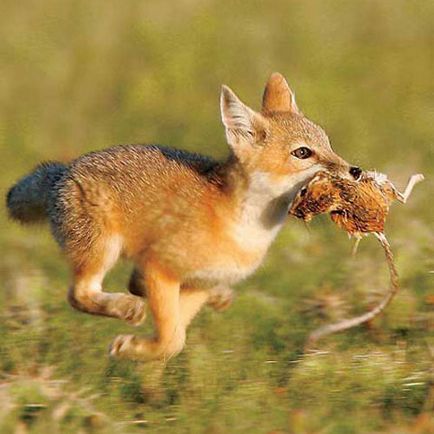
(191, 225)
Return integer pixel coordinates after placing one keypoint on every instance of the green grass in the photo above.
(79, 75)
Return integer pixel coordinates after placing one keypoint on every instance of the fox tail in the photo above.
(28, 200)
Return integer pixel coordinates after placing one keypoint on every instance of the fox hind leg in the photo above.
(137, 283)
(163, 294)
(86, 293)
(173, 310)
(172, 315)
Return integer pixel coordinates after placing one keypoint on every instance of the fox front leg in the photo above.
(220, 298)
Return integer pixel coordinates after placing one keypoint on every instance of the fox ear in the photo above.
(278, 96)
(244, 127)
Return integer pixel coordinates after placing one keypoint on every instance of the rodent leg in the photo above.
(415, 179)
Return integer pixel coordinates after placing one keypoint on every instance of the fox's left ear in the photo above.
(278, 96)
(244, 127)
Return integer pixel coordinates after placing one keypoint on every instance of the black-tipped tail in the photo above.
(27, 200)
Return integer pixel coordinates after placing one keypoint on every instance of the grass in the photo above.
(78, 76)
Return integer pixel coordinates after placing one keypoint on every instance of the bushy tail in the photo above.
(27, 200)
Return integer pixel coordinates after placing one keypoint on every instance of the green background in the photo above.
(82, 75)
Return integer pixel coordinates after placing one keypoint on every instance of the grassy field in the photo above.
(81, 75)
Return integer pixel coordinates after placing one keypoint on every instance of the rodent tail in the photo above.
(27, 201)
(370, 315)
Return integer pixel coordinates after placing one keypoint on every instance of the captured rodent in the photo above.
(359, 207)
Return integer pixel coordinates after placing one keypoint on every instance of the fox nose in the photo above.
(355, 172)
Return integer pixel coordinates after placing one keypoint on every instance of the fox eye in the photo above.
(302, 153)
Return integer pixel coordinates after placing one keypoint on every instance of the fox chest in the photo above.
(233, 256)
(239, 246)
(223, 269)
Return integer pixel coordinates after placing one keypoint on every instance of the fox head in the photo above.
(279, 145)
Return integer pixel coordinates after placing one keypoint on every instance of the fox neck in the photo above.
(261, 206)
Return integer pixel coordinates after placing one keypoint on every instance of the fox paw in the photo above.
(123, 346)
(143, 349)
(220, 298)
(132, 309)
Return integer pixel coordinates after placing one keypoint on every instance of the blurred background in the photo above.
(78, 75)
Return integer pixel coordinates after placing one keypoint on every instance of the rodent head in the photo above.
(319, 196)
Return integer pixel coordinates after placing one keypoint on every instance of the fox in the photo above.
(192, 226)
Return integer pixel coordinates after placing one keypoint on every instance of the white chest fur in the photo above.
(222, 272)
(264, 209)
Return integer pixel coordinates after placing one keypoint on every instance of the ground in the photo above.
(79, 76)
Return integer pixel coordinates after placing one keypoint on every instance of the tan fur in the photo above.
(191, 225)
(278, 97)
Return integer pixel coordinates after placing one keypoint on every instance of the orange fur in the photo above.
(191, 225)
